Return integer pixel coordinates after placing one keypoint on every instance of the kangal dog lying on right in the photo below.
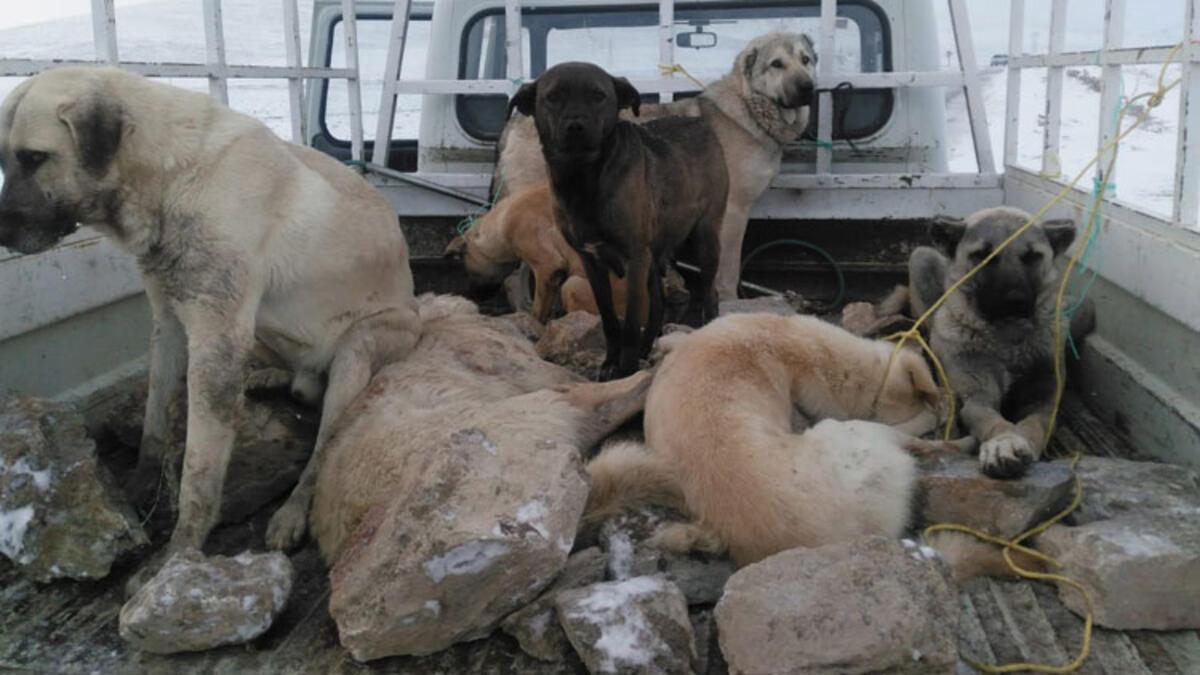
(719, 426)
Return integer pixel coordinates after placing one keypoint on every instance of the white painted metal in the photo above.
(971, 89)
(214, 41)
(104, 31)
(1110, 91)
(1012, 121)
(1124, 57)
(1187, 154)
(291, 42)
(353, 89)
(886, 181)
(26, 67)
(825, 79)
(666, 40)
(515, 62)
(391, 77)
(1051, 162)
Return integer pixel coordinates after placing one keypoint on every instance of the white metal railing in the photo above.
(1110, 58)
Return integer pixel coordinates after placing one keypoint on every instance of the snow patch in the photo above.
(532, 513)
(13, 525)
(469, 558)
(620, 556)
(626, 638)
(21, 467)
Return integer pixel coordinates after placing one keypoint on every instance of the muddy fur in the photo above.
(719, 430)
(245, 243)
(468, 372)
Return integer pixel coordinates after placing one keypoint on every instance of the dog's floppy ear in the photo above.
(809, 46)
(627, 95)
(921, 378)
(97, 124)
(748, 59)
(1060, 233)
(457, 247)
(946, 231)
(525, 100)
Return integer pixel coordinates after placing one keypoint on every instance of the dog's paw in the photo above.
(1005, 455)
(683, 538)
(268, 379)
(287, 527)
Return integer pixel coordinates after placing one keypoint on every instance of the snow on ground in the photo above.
(1145, 164)
(171, 30)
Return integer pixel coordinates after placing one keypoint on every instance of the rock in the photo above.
(701, 578)
(952, 490)
(575, 341)
(862, 318)
(870, 605)
(275, 438)
(196, 603)
(505, 522)
(622, 536)
(535, 626)
(526, 325)
(638, 625)
(1115, 487)
(770, 304)
(61, 513)
(1141, 570)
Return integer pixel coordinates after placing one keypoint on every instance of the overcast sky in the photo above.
(21, 12)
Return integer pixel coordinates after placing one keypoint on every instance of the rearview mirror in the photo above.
(698, 39)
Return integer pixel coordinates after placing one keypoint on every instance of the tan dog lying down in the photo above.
(719, 426)
(521, 227)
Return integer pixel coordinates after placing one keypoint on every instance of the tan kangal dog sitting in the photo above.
(521, 227)
(719, 426)
(467, 369)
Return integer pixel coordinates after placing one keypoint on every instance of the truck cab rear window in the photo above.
(708, 38)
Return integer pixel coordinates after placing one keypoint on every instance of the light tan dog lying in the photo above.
(719, 426)
(521, 227)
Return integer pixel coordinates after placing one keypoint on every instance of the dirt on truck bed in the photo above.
(71, 627)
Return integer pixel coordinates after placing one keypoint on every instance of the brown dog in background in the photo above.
(626, 196)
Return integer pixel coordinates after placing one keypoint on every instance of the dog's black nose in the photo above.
(574, 128)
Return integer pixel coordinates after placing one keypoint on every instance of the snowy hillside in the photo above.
(1146, 162)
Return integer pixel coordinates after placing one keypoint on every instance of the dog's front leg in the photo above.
(219, 344)
(637, 286)
(926, 278)
(602, 293)
(729, 264)
(1004, 452)
(162, 429)
(654, 320)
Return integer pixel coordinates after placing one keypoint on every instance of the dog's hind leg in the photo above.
(607, 405)
(362, 350)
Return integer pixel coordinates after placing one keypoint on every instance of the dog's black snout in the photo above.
(574, 128)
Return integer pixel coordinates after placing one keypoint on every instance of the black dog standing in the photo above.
(627, 195)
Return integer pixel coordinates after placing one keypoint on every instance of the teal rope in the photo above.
(837, 268)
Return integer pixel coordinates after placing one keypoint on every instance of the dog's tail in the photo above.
(969, 557)
(626, 475)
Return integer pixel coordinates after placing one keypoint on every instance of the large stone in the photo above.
(506, 520)
(569, 335)
(61, 514)
(638, 625)
(952, 490)
(768, 304)
(196, 603)
(1116, 487)
(863, 318)
(535, 626)
(871, 605)
(1141, 570)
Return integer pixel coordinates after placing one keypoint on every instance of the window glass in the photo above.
(373, 34)
(708, 39)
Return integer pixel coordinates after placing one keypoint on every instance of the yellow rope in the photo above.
(671, 68)
(1153, 100)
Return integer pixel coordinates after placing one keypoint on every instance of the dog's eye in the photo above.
(805, 60)
(597, 96)
(978, 255)
(777, 63)
(30, 160)
(1031, 257)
